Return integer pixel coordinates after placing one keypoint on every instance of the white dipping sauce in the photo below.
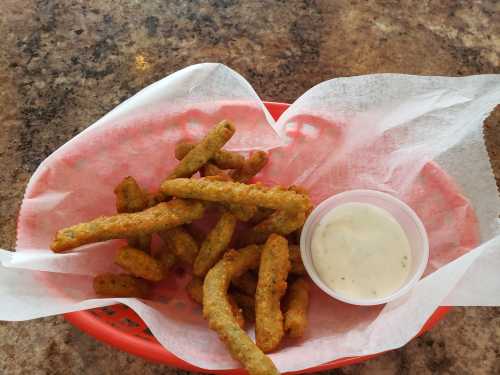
(361, 251)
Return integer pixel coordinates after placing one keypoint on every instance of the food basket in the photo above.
(121, 327)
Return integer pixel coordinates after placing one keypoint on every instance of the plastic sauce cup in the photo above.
(404, 215)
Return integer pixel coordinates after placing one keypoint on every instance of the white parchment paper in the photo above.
(418, 138)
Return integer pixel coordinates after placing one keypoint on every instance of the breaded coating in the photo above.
(217, 310)
(183, 148)
(242, 213)
(271, 286)
(204, 151)
(181, 244)
(112, 285)
(296, 305)
(131, 198)
(235, 192)
(155, 219)
(251, 167)
(139, 264)
(297, 267)
(215, 244)
(247, 305)
(280, 222)
(195, 290)
(246, 283)
(222, 159)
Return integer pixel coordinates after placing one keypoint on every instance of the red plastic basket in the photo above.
(121, 327)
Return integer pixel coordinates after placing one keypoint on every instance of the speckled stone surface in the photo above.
(64, 64)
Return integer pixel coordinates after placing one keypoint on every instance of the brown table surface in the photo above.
(64, 64)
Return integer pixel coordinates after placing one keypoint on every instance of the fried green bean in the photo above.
(279, 222)
(195, 290)
(121, 285)
(235, 192)
(222, 159)
(271, 286)
(215, 244)
(217, 310)
(204, 151)
(131, 198)
(297, 267)
(242, 212)
(163, 216)
(181, 243)
(167, 259)
(251, 167)
(139, 264)
(296, 305)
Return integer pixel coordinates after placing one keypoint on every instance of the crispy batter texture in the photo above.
(235, 192)
(215, 244)
(251, 167)
(204, 151)
(296, 305)
(183, 148)
(300, 190)
(195, 290)
(139, 264)
(271, 286)
(242, 212)
(181, 244)
(217, 310)
(247, 305)
(112, 285)
(222, 159)
(297, 267)
(280, 222)
(131, 198)
(246, 283)
(155, 219)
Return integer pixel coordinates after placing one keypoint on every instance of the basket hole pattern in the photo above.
(124, 319)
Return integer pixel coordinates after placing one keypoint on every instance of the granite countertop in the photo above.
(64, 64)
